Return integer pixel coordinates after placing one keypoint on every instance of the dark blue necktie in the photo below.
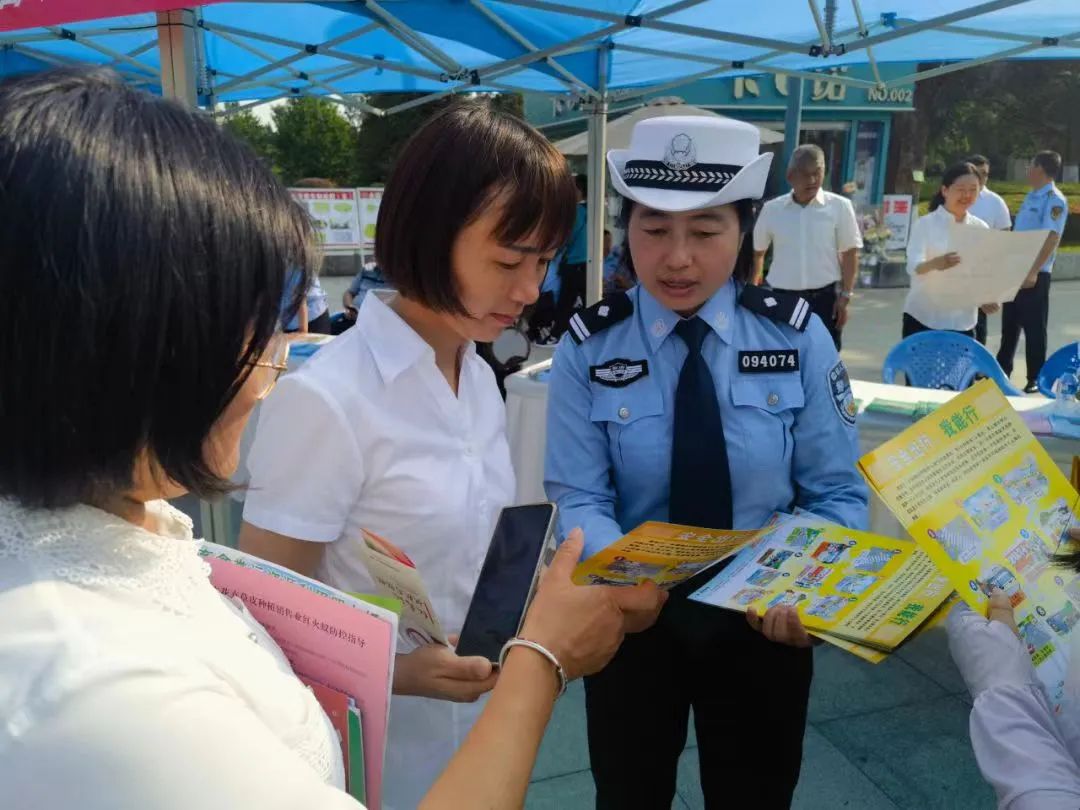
(700, 478)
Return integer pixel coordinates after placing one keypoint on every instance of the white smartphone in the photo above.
(507, 580)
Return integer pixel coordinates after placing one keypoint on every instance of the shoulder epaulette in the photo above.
(587, 322)
(784, 307)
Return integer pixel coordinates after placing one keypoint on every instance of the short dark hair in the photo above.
(978, 160)
(462, 160)
(1050, 162)
(951, 175)
(747, 211)
(582, 183)
(143, 256)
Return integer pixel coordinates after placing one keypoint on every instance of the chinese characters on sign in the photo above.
(959, 421)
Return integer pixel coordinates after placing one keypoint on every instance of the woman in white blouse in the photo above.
(126, 681)
(398, 426)
(1028, 753)
(928, 253)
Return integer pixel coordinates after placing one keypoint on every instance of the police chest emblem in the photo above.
(619, 373)
(681, 153)
(842, 397)
(769, 361)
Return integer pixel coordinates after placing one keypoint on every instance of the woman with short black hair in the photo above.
(397, 427)
(127, 682)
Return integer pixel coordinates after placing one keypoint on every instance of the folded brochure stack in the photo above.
(976, 490)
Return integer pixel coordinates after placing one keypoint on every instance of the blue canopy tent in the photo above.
(595, 51)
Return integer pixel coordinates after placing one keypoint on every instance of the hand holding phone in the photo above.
(583, 625)
(507, 579)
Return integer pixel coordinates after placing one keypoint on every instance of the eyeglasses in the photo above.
(270, 368)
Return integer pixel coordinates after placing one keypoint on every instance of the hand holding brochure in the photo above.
(849, 585)
(979, 493)
(396, 574)
(664, 553)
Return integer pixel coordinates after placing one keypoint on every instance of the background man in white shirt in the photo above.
(815, 239)
(991, 209)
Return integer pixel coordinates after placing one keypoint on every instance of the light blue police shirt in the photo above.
(791, 437)
(316, 300)
(1045, 208)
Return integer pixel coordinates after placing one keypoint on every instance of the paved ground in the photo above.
(887, 736)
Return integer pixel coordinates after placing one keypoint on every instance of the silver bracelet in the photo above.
(544, 651)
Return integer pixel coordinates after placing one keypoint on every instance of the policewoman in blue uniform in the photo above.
(697, 399)
(1044, 208)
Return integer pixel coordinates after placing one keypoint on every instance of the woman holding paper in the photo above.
(928, 253)
(126, 681)
(1030, 755)
(397, 427)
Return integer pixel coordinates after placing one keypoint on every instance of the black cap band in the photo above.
(707, 177)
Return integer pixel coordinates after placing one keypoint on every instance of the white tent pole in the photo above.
(597, 174)
(792, 122)
(176, 44)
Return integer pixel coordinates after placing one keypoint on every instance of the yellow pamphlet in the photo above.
(977, 491)
(664, 553)
(849, 585)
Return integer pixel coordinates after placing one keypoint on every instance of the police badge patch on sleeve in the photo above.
(1056, 212)
(840, 388)
(618, 373)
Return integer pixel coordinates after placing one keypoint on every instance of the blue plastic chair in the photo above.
(946, 360)
(1067, 358)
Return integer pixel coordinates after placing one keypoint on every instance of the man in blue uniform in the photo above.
(1045, 207)
(697, 399)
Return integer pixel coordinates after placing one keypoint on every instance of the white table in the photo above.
(526, 412)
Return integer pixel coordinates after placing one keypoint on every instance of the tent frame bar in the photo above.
(970, 63)
(414, 40)
(105, 50)
(654, 19)
(275, 64)
(572, 81)
(351, 103)
(932, 23)
(749, 66)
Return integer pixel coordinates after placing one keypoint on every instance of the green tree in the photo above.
(313, 139)
(247, 127)
(380, 139)
(1002, 110)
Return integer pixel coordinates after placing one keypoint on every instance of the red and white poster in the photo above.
(336, 215)
(896, 215)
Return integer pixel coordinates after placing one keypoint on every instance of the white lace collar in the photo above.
(97, 550)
